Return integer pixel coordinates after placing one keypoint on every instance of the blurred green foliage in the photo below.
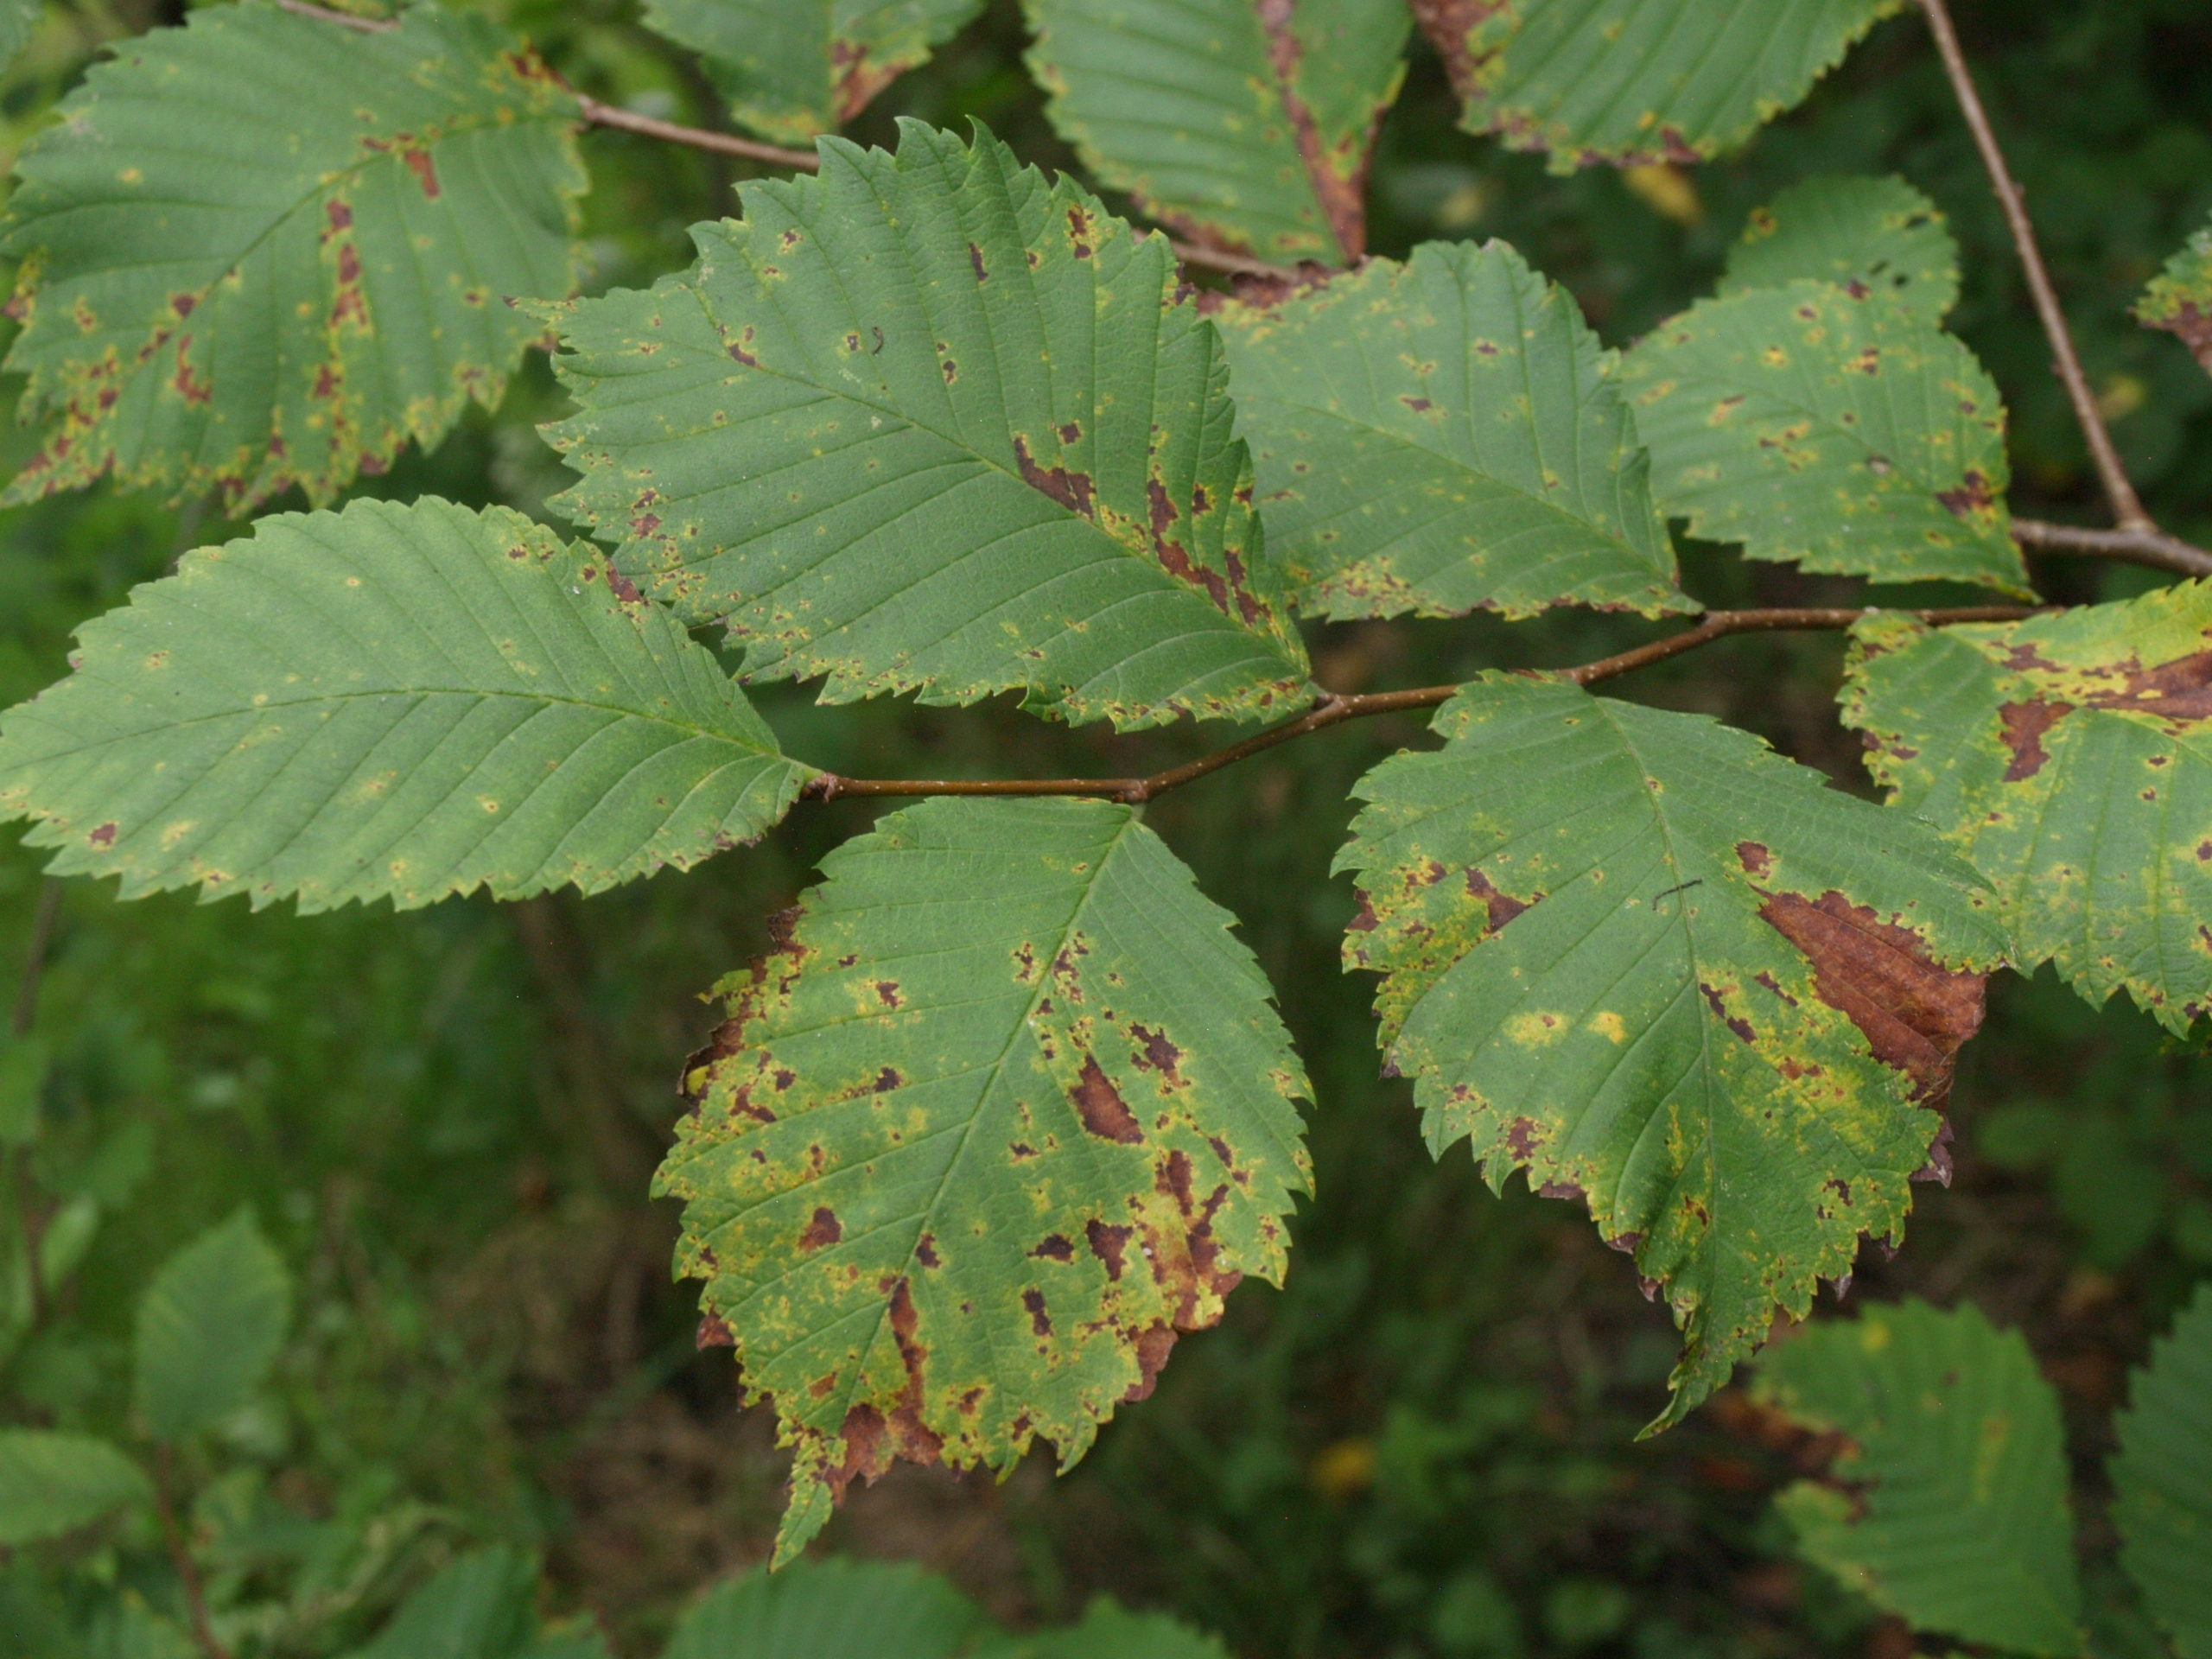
(1423, 1446)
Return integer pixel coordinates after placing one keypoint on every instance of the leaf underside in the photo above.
(1876, 234)
(1629, 81)
(1838, 431)
(389, 701)
(1005, 1111)
(267, 295)
(1441, 436)
(2163, 1474)
(794, 68)
(1947, 1501)
(2069, 760)
(2180, 299)
(1244, 124)
(932, 423)
(1664, 970)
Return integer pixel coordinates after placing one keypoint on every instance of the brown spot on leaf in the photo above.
(713, 1332)
(1502, 907)
(1755, 860)
(1110, 1244)
(821, 1232)
(1972, 498)
(1055, 1247)
(1072, 489)
(1915, 1015)
(1736, 1023)
(1041, 1322)
(926, 1251)
(102, 836)
(425, 171)
(1159, 1054)
(1104, 1113)
(976, 261)
(2021, 726)
(1340, 190)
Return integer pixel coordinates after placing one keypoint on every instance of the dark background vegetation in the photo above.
(1425, 1444)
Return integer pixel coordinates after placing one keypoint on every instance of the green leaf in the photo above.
(1109, 1631)
(399, 702)
(1878, 234)
(932, 423)
(482, 1606)
(1659, 967)
(1245, 124)
(210, 1325)
(1005, 1111)
(2163, 1474)
(833, 1609)
(1441, 436)
(24, 1067)
(19, 20)
(1637, 80)
(228, 286)
(50, 1483)
(2069, 759)
(1837, 431)
(127, 1629)
(793, 68)
(1946, 1502)
(2180, 299)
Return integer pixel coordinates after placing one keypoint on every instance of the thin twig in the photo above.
(724, 143)
(42, 923)
(343, 19)
(2151, 547)
(1235, 264)
(1333, 709)
(2126, 506)
(187, 1570)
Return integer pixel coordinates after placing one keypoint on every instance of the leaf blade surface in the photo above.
(2163, 1474)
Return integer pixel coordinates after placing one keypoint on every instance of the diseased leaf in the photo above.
(210, 1325)
(930, 422)
(1245, 124)
(2162, 1474)
(1659, 968)
(227, 287)
(1004, 1111)
(389, 701)
(1441, 436)
(1637, 80)
(51, 1482)
(1839, 432)
(1881, 235)
(2069, 759)
(2180, 299)
(793, 68)
(834, 1609)
(1946, 1500)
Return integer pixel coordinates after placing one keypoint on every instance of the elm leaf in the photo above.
(2179, 299)
(833, 1609)
(1004, 1111)
(1878, 234)
(1629, 81)
(1946, 1502)
(930, 421)
(227, 287)
(1662, 969)
(1833, 429)
(1244, 124)
(2163, 1476)
(392, 701)
(53, 1483)
(210, 1325)
(1441, 436)
(2069, 758)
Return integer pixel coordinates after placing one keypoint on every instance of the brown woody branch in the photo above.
(1335, 709)
(2153, 546)
(180, 1548)
(2126, 506)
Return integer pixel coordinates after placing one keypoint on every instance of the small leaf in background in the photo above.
(1946, 1501)
(18, 18)
(1441, 436)
(2180, 299)
(482, 1606)
(1844, 434)
(226, 288)
(50, 1483)
(2069, 758)
(401, 702)
(210, 1325)
(1005, 1111)
(128, 1629)
(830, 1609)
(1244, 124)
(24, 1067)
(1665, 970)
(793, 68)
(1879, 234)
(932, 423)
(2163, 1474)
(1637, 80)
(1110, 1631)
